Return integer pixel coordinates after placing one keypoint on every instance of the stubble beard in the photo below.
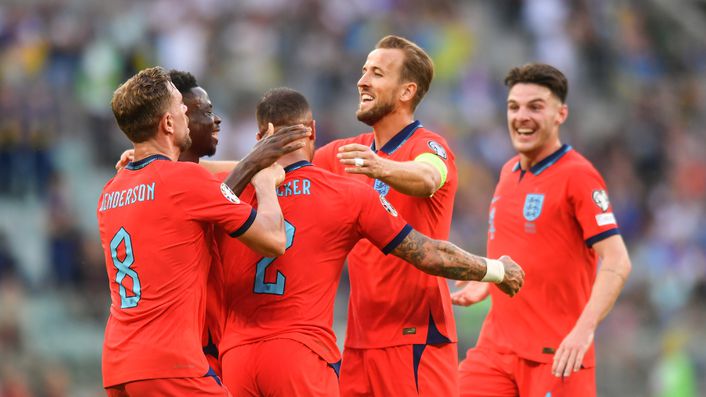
(375, 114)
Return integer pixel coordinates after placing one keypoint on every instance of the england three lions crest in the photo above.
(533, 206)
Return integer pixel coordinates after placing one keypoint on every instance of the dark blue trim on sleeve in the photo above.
(602, 236)
(246, 225)
(397, 240)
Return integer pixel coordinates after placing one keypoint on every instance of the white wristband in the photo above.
(495, 271)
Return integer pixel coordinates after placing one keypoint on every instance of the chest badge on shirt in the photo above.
(227, 193)
(388, 207)
(438, 149)
(533, 206)
(381, 187)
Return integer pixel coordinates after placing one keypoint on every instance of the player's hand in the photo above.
(360, 159)
(125, 158)
(275, 144)
(270, 176)
(569, 357)
(514, 276)
(471, 292)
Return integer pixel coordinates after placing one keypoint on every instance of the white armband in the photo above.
(494, 272)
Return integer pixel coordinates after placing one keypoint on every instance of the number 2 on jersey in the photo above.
(276, 288)
(124, 269)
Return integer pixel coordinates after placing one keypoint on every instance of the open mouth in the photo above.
(365, 98)
(524, 131)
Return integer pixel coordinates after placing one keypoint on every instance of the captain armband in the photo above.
(436, 162)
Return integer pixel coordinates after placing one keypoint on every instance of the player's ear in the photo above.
(563, 114)
(409, 90)
(313, 130)
(166, 123)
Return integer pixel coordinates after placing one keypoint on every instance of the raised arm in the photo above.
(611, 277)
(442, 258)
(421, 177)
(267, 150)
(266, 235)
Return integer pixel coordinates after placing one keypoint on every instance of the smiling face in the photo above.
(203, 123)
(534, 115)
(379, 87)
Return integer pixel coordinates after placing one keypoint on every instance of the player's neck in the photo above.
(189, 156)
(294, 157)
(530, 159)
(391, 125)
(152, 147)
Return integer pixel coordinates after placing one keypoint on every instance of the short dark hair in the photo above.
(540, 74)
(281, 106)
(140, 102)
(417, 66)
(183, 81)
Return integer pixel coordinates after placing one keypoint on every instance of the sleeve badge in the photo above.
(228, 194)
(438, 149)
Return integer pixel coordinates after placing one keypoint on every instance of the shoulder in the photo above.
(366, 138)
(432, 142)
(510, 165)
(575, 163)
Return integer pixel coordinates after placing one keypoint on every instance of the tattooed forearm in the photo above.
(440, 258)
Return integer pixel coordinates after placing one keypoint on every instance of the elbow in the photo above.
(428, 187)
(276, 246)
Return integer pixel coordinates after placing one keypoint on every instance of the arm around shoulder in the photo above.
(267, 233)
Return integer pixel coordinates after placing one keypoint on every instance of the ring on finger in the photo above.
(358, 162)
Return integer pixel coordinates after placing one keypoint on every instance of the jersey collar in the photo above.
(296, 166)
(399, 139)
(138, 165)
(547, 161)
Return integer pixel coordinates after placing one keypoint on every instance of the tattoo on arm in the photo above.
(440, 258)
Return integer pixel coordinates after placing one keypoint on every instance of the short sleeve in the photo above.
(435, 151)
(200, 196)
(378, 220)
(589, 199)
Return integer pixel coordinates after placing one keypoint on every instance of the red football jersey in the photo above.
(213, 327)
(153, 218)
(391, 302)
(292, 296)
(546, 219)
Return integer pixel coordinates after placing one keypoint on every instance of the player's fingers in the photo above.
(353, 147)
(559, 361)
(353, 154)
(579, 360)
(357, 170)
(461, 283)
(270, 130)
(292, 147)
(570, 362)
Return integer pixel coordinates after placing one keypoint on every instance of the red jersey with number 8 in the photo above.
(153, 217)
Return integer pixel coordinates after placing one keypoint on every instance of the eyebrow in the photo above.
(531, 101)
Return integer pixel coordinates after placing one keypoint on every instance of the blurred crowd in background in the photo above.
(637, 101)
